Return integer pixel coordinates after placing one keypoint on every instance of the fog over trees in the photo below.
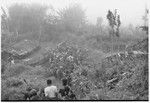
(103, 61)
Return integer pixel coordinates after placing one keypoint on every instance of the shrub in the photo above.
(84, 72)
(65, 57)
(13, 82)
(12, 94)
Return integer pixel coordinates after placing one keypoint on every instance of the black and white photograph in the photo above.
(74, 50)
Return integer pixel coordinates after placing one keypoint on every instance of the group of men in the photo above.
(65, 93)
(51, 92)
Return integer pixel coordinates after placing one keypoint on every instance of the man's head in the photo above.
(49, 82)
(64, 82)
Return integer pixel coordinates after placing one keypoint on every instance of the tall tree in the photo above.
(114, 22)
(4, 20)
(72, 17)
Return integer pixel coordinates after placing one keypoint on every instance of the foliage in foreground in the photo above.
(126, 72)
(117, 77)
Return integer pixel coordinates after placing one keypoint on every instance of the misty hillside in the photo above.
(103, 61)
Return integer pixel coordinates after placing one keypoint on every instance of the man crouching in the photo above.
(50, 91)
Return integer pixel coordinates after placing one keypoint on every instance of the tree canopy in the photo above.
(26, 18)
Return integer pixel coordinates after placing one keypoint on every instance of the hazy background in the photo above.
(36, 44)
(131, 11)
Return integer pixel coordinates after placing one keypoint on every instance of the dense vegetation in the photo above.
(102, 66)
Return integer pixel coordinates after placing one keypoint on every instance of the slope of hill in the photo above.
(95, 75)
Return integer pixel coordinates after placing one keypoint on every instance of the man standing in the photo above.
(50, 91)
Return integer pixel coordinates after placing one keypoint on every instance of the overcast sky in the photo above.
(131, 11)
